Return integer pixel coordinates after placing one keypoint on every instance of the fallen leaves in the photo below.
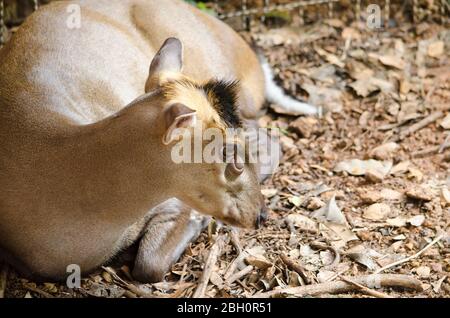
(366, 86)
(445, 123)
(393, 61)
(377, 212)
(436, 49)
(422, 193)
(385, 151)
(333, 224)
(359, 167)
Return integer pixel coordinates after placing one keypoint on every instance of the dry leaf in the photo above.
(445, 123)
(385, 151)
(258, 262)
(445, 196)
(422, 193)
(365, 259)
(358, 167)
(397, 222)
(295, 200)
(377, 212)
(438, 284)
(417, 220)
(329, 99)
(302, 222)
(436, 49)
(401, 167)
(423, 271)
(330, 212)
(365, 86)
(392, 61)
(331, 58)
(399, 237)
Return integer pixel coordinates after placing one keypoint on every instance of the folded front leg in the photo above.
(165, 238)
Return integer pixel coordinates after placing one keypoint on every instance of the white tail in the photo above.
(275, 94)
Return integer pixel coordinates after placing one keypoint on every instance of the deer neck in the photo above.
(114, 169)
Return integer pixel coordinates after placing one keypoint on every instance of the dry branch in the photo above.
(407, 259)
(131, 287)
(248, 269)
(241, 254)
(365, 289)
(419, 125)
(295, 266)
(38, 291)
(210, 262)
(337, 287)
(234, 235)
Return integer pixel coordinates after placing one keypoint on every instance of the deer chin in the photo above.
(234, 215)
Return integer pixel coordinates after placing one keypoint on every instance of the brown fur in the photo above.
(81, 165)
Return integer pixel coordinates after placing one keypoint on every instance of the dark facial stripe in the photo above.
(223, 97)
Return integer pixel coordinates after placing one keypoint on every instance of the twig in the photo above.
(295, 266)
(433, 150)
(419, 125)
(407, 259)
(234, 235)
(275, 235)
(248, 269)
(331, 278)
(365, 289)
(180, 290)
(209, 266)
(430, 151)
(3, 278)
(241, 254)
(336, 287)
(183, 274)
(323, 246)
(232, 267)
(129, 294)
(38, 291)
(131, 287)
(445, 144)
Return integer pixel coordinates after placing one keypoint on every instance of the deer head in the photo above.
(226, 187)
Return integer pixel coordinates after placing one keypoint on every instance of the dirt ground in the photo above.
(360, 187)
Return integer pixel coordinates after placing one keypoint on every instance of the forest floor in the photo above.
(359, 188)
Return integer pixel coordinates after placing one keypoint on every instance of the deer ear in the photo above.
(177, 117)
(168, 59)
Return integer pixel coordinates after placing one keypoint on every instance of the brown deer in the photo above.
(86, 132)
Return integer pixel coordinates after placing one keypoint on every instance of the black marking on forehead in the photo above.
(223, 96)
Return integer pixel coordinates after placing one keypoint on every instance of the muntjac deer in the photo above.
(86, 132)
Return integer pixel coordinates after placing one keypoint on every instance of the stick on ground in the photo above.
(36, 290)
(365, 289)
(209, 266)
(407, 259)
(419, 125)
(131, 287)
(338, 287)
(239, 274)
(296, 267)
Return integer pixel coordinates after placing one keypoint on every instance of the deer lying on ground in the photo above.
(86, 131)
